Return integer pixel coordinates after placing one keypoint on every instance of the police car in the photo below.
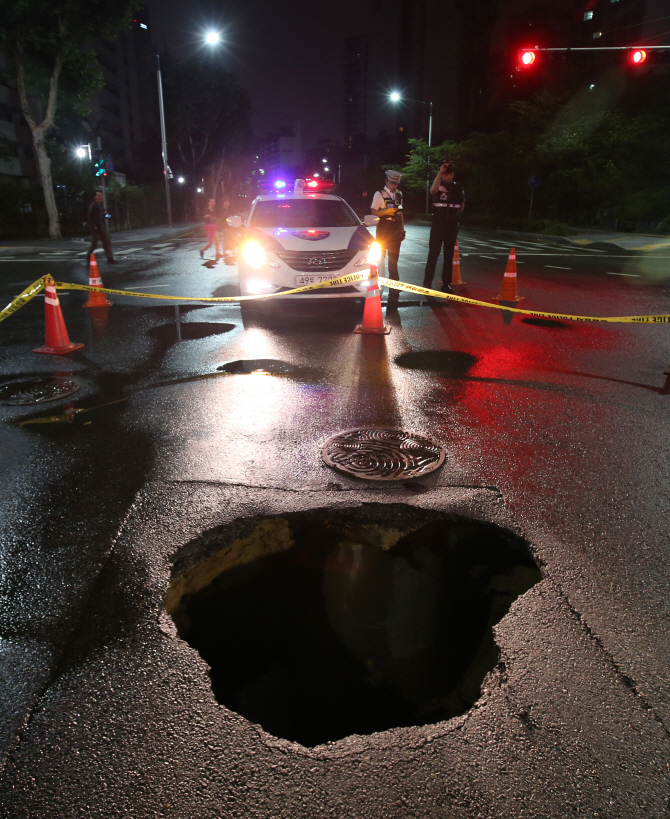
(300, 237)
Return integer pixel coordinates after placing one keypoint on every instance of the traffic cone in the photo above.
(57, 341)
(456, 268)
(509, 291)
(96, 299)
(372, 313)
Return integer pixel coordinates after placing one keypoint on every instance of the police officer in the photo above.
(387, 205)
(448, 200)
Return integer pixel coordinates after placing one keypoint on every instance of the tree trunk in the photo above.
(39, 132)
(44, 164)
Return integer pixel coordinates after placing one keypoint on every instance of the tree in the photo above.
(207, 116)
(47, 45)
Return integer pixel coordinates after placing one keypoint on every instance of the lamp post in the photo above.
(396, 97)
(211, 38)
(166, 170)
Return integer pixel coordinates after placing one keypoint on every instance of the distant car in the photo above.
(300, 237)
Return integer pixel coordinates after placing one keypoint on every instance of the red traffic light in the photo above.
(638, 56)
(526, 57)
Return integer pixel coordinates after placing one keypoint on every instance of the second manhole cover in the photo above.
(36, 390)
(382, 454)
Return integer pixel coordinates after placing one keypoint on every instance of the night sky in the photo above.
(288, 56)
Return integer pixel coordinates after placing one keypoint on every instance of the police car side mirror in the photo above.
(234, 221)
(369, 220)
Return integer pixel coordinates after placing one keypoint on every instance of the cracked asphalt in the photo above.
(555, 431)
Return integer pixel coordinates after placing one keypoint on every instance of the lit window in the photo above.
(588, 15)
(597, 34)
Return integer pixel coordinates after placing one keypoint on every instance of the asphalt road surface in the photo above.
(556, 431)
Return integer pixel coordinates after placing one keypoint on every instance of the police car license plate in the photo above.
(301, 281)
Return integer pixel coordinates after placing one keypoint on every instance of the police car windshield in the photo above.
(303, 213)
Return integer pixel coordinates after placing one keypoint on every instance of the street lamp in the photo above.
(84, 150)
(394, 96)
(181, 180)
(211, 38)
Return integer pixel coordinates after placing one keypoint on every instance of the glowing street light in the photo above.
(181, 180)
(395, 96)
(212, 38)
(83, 150)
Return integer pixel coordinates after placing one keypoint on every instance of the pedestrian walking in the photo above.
(448, 198)
(387, 205)
(98, 226)
(211, 230)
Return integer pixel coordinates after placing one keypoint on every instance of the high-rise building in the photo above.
(125, 110)
(16, 145)
(280, 151)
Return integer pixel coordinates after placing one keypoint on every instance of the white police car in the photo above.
(300, 237)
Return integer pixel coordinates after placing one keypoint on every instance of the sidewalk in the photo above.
(156, 233)
(584, 238)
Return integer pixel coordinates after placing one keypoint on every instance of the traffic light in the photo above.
(99, 168)
(527, 57)
(638, 56)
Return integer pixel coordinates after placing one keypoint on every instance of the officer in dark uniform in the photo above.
(387, 205)
(448, 202)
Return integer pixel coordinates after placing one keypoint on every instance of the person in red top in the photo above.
(211, 231)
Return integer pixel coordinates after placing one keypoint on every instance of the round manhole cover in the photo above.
(382, 454)
(258, 366)
(36, 390)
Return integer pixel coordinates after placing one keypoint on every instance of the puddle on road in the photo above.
(167, 334)
(549, 323)
(329, 624)
(447, 362)
(257, 366)
(37, 390)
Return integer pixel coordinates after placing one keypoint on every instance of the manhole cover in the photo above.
(37, 390)
(258, 366)
(382, 454)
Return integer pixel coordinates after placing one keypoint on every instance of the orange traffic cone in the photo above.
(509, 290)
(456, 268)
(96, 299)
(372, 313)
(57, 341)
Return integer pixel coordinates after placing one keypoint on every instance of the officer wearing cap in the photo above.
(387, 205)
(448, 199)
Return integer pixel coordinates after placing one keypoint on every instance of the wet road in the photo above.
(556, 429)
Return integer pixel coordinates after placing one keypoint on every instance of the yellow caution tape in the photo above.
(351, 278)
(438, 294)
(340, 281)
(22, 298)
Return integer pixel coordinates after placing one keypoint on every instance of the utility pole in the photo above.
(166, 169)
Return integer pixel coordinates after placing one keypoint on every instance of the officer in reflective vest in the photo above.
(448, 202)
(387, 205)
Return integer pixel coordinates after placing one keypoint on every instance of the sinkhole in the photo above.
(325, 624)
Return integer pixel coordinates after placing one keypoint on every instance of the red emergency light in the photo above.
(638, 56)
(321, 185)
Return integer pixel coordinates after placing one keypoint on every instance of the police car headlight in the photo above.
(253, 254)
(258, 286)
(375, 253)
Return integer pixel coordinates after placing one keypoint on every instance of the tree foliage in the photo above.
(591, 153)
(48, 46)
(207, 115)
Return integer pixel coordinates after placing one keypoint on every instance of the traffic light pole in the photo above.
(166, 170)
(102, 180)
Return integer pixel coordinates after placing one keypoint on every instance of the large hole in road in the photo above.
(322, 625)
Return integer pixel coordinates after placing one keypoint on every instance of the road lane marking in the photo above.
(608, 273)
(557, 267)
(482, 256)
(127, 252)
